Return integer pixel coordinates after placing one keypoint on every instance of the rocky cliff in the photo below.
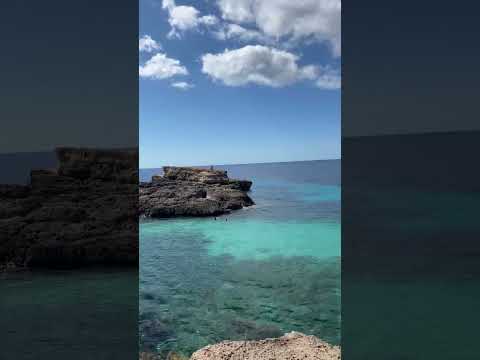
(292, 346)
(84, 212)
(185, 191)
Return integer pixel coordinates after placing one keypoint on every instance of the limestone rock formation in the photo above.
(185, 191)
(292, 346)
(84, 212)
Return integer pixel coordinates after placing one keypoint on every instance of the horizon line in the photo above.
(253, 163)
(413, 132)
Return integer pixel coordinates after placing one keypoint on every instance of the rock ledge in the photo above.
(192, 192)
(291, 346)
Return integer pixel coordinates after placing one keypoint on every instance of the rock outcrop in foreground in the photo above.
(185, 191)
(292, 346)
(82, 213)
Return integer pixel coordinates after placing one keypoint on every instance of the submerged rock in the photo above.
(288, 347)
(185, 191)
(253, 331)
(153, 332)
(148, 356)
(152, 356)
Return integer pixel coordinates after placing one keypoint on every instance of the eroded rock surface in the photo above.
(292, 346)
(185, 191)
(82, 213)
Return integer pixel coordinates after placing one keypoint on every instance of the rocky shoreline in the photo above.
(82, 213)
(192, 192)
(290, 346)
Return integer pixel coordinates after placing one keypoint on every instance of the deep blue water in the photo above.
(256, 273)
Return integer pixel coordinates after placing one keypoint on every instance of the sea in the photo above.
(410, 263)
(74, 314)
(256, 273)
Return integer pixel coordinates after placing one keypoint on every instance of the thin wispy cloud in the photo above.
(182, 85)
(237, 32)
(329, 79)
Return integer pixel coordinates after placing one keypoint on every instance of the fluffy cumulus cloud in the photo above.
(161, 67)
(275, 24)
(182, 85)
(147, 44)
(183, 18)
(296, 20)
(259, 65)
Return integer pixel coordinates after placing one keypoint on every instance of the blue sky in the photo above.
(238, 81)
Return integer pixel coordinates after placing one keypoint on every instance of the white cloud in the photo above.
(161, 67)
(168, 4)
(147, 44)
(295, 20)
(234, 31)
(182, 85)
(183, 18)
(237, 10)
(208, 20)
(329, 79)
(259, 65)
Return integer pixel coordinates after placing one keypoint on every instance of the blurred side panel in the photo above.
(410, 184)
(69, 180)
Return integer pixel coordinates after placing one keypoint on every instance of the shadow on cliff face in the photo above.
(82, 213)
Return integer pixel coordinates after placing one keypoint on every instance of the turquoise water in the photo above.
(254, 239)
(256, 273)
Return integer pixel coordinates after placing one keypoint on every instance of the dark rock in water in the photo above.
(147, 296)
(153, 356)
(153, 333)
(83, 213)
(184, 191)
(149, 356)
